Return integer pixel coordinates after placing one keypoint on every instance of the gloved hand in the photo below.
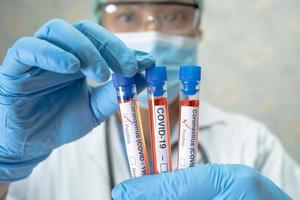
(230, 182)
(45, 101)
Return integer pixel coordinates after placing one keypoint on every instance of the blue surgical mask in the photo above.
(168, 50)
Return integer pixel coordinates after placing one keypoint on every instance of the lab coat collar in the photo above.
(210, 115)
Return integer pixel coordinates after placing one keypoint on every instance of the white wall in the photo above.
(251, 55)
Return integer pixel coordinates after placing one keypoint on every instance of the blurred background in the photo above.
(250, 52)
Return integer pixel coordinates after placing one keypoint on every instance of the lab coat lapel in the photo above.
(106, 152)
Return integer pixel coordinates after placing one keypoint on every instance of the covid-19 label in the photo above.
(161, 139)
(188, 137)
(133, 139)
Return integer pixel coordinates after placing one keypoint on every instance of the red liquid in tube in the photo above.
(190, 77)
(159, 119)
(160, 138)
(132, 126)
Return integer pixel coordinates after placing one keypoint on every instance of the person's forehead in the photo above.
(186, 1)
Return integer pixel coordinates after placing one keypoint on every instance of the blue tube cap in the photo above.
(156, 79)
(158, 73)
(190, 75)
(121, 81)
(190, 72)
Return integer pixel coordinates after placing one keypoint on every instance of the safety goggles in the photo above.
(164, 16)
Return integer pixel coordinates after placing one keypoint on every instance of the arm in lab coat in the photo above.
(3, 191)
(274, 162)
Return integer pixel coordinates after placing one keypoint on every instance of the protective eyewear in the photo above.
(165, 16)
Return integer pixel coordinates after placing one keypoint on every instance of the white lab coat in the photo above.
(86, 170)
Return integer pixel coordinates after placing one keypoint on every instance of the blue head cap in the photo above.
(190, 76)
(156, 78)
(124, 82)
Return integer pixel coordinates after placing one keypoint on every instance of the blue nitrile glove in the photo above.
(45, 101)
(230, 182)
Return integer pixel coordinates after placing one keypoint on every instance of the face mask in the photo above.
(168, 50)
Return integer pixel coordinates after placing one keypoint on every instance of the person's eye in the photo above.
(173, 17)
(125, 17)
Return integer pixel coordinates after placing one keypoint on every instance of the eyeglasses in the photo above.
(135, 16)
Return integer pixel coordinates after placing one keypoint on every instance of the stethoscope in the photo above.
(201, 150)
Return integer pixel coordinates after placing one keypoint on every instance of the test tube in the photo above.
(132, 125)
(159, 119)
(190, 77)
